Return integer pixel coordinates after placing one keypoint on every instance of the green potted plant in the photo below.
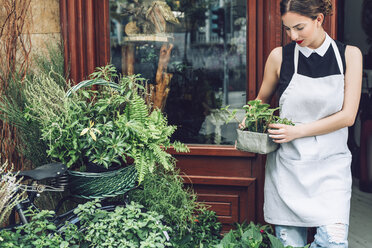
(253, 136)
(106, 127)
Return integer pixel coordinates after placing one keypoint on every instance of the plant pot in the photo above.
(91, 185)
(255, 142)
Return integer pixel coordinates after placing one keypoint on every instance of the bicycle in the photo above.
(57, 175)
(56, 178)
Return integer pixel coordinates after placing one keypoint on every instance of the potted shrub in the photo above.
(103, 127)
(253, 136)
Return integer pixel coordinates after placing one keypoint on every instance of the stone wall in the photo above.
(45, 28)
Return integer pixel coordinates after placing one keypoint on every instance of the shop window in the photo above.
(193, 53)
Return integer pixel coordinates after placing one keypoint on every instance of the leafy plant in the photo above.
(48, 69)
(127, 226)
(164, 192)
(206, 229)
(40, 233)
(104, 126)
(204, 232)
(251, 236)
(247, 235)
(258, 116)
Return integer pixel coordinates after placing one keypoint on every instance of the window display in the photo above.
(193, 53)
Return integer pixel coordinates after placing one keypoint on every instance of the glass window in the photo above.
(193, 53)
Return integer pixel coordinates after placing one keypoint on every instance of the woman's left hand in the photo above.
(281, 133)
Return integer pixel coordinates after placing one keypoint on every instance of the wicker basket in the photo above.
(92, 185)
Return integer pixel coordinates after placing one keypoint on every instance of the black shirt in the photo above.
(314, 66)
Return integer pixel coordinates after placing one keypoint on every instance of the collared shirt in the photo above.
(315, 63)
(306, 51)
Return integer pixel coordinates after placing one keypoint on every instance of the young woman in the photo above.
(308, 179)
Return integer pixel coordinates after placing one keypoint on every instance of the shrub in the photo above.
(204, 232)
(40, 233)
(164, 193)
(251, 236)
(127, 226)
(104, 126)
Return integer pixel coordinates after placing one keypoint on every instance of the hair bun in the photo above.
(326, 7)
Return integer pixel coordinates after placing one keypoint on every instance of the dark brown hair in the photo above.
(309, 8)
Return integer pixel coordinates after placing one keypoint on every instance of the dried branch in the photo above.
(15, 48)
(8, 192)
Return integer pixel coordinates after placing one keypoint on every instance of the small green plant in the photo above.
(258, 116)
(40, 232)
(205, 231)
(251, 236)
(164, 193)
(127, 226)
(247, 235)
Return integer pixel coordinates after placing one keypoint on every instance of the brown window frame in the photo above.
(86, 37)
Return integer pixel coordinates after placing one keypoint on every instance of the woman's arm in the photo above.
(271, 75)
(344, 118)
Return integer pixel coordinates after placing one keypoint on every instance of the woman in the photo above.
(308, 179)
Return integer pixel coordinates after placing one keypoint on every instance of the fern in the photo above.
(161, 156)
(116, 119)
(141, 166)
(180, 147)
(138, 110)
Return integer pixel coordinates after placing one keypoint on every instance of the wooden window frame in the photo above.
(86, 36)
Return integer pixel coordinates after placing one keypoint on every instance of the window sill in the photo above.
(213, 150)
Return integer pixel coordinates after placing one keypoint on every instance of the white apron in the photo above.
(308, 180)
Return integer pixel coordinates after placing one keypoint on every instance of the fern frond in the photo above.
(180, 147)
(138, 110)
(141, 167)
(161, 156)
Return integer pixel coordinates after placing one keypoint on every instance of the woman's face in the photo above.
(303, 30)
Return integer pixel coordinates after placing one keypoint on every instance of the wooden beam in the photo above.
(86, 36)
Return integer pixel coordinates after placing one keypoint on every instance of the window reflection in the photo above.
(193, 52)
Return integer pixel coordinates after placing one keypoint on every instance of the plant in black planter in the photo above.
(108, 126)
(253, 137)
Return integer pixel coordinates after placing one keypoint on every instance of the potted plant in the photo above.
(105, 127)
(253, 136)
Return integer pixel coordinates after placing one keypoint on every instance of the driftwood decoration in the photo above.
(128, 59)
(163, 78)
(160, 14)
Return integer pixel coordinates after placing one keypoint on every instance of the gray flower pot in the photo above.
(255, 142)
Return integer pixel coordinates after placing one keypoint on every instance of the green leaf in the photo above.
(275, 242)
(51, 227)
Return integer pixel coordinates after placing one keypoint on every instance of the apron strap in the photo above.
(338, 57)
(296, 51)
